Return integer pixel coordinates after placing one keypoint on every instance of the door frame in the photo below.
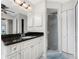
(76, 30)
(49, 27)
(59, 31)
(57, 6)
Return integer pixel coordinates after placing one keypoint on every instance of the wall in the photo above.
(14, 26)
(76, 51)
(6, 16)
(69, 5)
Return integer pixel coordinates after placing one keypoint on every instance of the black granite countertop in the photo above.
(10, 39)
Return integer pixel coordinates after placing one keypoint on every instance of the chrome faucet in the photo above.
(23, 34)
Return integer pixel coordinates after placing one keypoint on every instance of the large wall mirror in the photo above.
(6, 26)
(13, 25)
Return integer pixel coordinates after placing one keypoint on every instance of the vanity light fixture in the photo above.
(26, 5)
(19, 2)
(29, 7)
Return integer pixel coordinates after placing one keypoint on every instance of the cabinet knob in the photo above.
(19, 52)
(15, 48)
(31, 46)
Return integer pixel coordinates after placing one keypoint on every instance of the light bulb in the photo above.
(25, 5)
(29, 7)
(19, 1)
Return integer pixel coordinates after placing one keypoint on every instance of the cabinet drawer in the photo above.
(35, 41)
(13, 48)
(31, 42)
(26, 44)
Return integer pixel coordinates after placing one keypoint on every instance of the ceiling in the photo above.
(60, 1)
(34, 2)
(12, 6)
(16, 8)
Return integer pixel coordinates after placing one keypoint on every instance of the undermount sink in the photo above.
(27, 37)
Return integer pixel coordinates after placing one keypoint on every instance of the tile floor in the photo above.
(58, 55)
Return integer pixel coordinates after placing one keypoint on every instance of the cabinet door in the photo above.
(35, 52)
(37, 49)
(22, 54)
(30, 20)
(40, 48)
(64, 31)
(37, 20)
(71, 31)
(26, 53)
(14, 56)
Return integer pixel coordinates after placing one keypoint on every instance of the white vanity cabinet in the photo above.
(38, 21)
(30, 20)
(35, 20)
(30, 49)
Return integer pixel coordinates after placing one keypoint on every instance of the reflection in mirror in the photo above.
(10, 26)
(3, 26)
(6, 26)
(13, 24)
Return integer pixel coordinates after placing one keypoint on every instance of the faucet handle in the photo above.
(22, 34)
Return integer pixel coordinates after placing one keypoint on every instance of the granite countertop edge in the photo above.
(6, 44)
(18, 40)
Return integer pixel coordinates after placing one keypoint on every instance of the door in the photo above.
(71, 31)
(52, 32)
(64, 32)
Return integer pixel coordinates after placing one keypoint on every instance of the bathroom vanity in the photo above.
(29, 48)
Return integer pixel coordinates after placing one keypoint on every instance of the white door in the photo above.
(64, 31)
(71, 31)
(14, 56)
